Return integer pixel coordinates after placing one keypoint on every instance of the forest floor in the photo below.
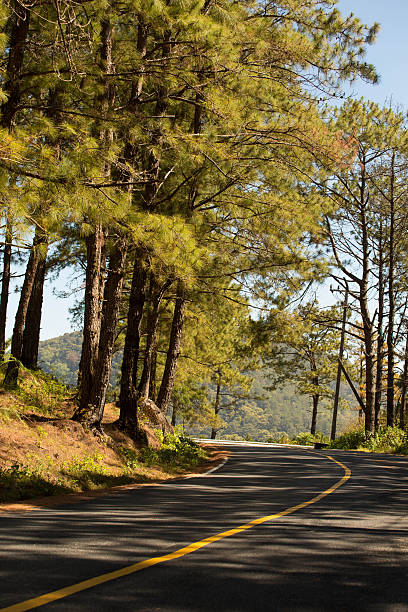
(44, 453)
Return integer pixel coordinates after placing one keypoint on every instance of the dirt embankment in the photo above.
(44, 453)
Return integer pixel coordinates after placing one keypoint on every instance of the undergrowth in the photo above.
(176, 451)
(385, 440)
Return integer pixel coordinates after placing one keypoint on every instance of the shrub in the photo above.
(349, 440)
(176, 451)
(304, 438)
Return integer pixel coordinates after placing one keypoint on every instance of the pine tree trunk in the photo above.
(92, 316)
(173, 352)
(217, 405)
(128, 396)
(153, 370)
(380, 341)
(5, 286)
(314, 414)
(157, 294)
(174, 416)
(391, 306)
(404, 386)
(92, 416)
(31, 335)
(20, 320)
(19, 23)
(365, 314)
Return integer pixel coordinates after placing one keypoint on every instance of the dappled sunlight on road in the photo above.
(349, 547)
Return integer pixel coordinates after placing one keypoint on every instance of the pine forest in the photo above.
(200, 171)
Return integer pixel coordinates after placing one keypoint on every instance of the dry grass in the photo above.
(43, 452)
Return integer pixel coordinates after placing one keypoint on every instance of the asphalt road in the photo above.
(345, 551)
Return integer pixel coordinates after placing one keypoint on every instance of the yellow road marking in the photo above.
(36, 602)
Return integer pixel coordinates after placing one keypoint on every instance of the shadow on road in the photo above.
(348, 552)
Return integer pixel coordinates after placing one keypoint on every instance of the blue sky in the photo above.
(389, 55)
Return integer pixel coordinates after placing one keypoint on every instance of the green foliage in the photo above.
(304, 438)
(385, 440)
(176, 451)
(41, 392)
(23, 482)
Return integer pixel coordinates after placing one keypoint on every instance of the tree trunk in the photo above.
(153, 370)
(380, 340)
(91, 417)
(391, 305)
(92, 316)
(365, 313)
(315, 398)
(217, 406)
(31, 335)
(20, 320)
(19, 23)
(128, 397)
(174, 415)
(5, 285)
(157, 294)
(404, 386)
(173, 352)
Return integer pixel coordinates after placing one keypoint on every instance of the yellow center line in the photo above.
(36, 602)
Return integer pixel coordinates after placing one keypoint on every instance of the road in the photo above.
(345, 550)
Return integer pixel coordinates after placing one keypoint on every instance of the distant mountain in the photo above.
(283, 410)
(60, 357)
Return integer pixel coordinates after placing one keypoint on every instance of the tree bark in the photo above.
(217, 406)
(391, 305)
(20, 320)
(5, 285)
(156, 295)
(404, 386)
(380, 340)
(365, 313)
(173, 352)
(19, 26)
(315, 399)
(92, 316)
(20, 23)
(128, 397)
(91, 415)
(31, 334)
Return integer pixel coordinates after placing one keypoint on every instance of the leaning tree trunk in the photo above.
(128, 398)
(20, 320)
(31, 334)
(173, 352)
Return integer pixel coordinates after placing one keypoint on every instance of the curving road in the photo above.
(346, 550)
